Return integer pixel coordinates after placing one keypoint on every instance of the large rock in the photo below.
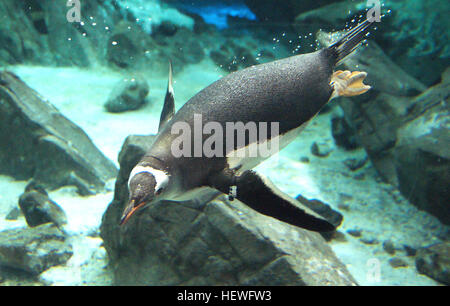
(434, 261)
(33, 250)
(37, 141)
(404, 133)
(19, 40)
(407, 140)
(210, 243)
(422, 153)
(47, 39)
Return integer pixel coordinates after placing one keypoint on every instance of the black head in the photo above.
(142, 191)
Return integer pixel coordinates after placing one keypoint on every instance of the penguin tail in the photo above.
(347, 44)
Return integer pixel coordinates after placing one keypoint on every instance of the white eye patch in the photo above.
(161, 177)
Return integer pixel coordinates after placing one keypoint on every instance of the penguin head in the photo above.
(145, 186)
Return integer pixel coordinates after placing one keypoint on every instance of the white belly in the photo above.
(243, 160)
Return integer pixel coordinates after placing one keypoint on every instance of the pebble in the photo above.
(369, 241)
(410, 251)
(397, 263)
(355, 232)
(389, 247)
(321, 149)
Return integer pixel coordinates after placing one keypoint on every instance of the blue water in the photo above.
(216, 12)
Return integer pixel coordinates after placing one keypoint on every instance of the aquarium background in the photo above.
(74, 93)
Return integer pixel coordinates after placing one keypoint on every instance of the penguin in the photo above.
(289, 92)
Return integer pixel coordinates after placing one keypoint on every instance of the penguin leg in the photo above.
(348, 84)
(260, 194)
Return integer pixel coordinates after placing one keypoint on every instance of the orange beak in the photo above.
(129, 211)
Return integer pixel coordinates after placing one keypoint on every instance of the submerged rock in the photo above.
(321, 149)
(343, 134)
(13, 214)
(129, 94)
(325, 210)
(213, 243)
(398, 263)
(33, 250)
(355, 232)
(282, 11)
(434, 261)
(39, 209)
(389, 247)
(354, 164)
(235, 55)
(37, 141)
(406, 140)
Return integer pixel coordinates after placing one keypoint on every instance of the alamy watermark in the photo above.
(374, 13)
(73, 14)
(235, 139)
(373, 274)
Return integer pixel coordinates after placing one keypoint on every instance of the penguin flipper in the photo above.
(260, 194)
(169, 101)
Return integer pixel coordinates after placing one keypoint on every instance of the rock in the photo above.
(344, 207)
(281, 11)
(13, 214)
(434, 261)
(37, 141)
(325, 210)
(321, 149)
(39, 209)
(338, 236)
(410, 251)
(355, 163)
(423, 56)
(397, 263)
(187, 48)
(129, 94)
(355, 232)
(126, 45)
(165, 28)
(33, 250)
(235, 55)
(422, 154)
(343, 135)
(58, 42)
(369, 240)
(131, 47)
(389, 247)
(405, 139)
(215, 243)
(304, 159)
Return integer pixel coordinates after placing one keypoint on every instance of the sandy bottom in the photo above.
(373, 207)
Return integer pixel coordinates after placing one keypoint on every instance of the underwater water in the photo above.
(82, 89)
